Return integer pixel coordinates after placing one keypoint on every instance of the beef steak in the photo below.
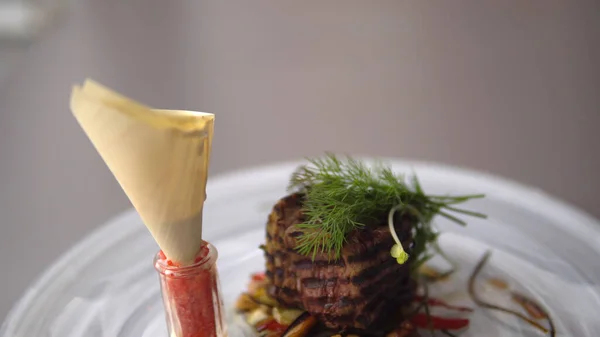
(357, 291)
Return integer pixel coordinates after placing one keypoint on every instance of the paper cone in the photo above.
(159, 157)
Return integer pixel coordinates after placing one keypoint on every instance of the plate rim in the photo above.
(581, 221)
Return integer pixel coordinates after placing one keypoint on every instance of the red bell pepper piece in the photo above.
(438, 323)
(271, 325)
(439, 303)
(258, 277)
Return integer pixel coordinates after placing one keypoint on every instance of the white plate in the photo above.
(106, 285)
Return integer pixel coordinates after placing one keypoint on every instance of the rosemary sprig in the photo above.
(346, 195)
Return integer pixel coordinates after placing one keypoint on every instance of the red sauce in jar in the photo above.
(191, 295)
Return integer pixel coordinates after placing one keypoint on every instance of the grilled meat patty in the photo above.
(358, 291)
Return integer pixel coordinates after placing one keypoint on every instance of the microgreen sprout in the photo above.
(397, 250)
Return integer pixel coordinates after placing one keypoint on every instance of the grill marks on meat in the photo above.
(355, 291)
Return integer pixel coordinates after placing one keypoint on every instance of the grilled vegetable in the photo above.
(245, 303)
(256, 316)
(262, 297)
(404, 330)
(301, 326)
(286, 316)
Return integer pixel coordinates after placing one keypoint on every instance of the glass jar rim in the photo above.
(205, 261)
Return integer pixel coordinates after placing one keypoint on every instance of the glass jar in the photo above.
(192, 295)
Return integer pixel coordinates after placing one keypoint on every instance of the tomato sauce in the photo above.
(191, 295)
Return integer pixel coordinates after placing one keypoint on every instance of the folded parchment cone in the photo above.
(159, 157)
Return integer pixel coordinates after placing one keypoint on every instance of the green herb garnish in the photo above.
(346, 195)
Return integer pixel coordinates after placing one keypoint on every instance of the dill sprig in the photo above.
(346, 195)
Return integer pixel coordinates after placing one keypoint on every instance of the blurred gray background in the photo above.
(508, 87)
